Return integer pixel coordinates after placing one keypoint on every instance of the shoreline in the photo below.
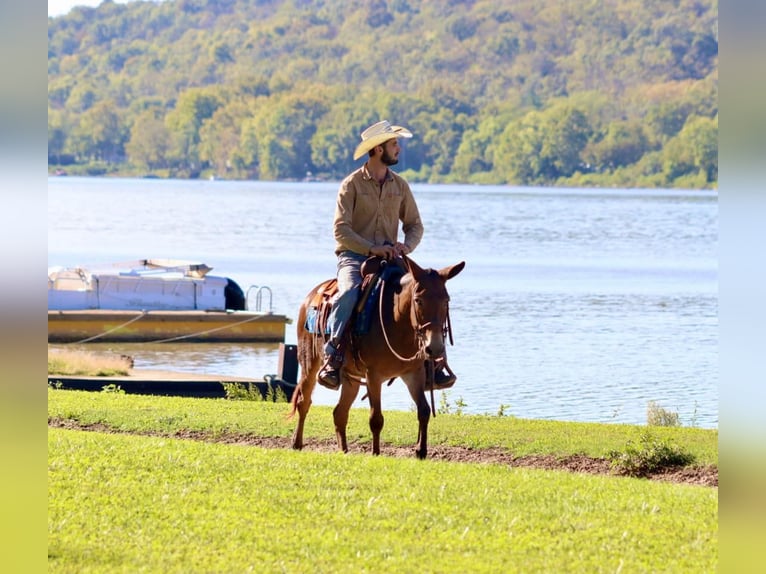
(169, 383)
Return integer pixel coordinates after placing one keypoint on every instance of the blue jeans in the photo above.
(349, 285)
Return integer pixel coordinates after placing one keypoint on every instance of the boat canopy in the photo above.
(147, 284)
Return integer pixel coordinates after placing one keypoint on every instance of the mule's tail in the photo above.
(310, 344)
(297, 395)
(305, 343)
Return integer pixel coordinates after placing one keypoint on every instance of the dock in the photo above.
(83, 326)
(172, 383)
(165, 383)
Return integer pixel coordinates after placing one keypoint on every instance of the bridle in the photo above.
(419, 330)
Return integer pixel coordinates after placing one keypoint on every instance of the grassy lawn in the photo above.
(217, 417)
(130, 503)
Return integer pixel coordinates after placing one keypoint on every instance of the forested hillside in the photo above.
(531, 92)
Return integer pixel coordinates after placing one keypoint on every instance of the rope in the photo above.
(430, 378)
(205, 332)
(180, 337)
(89, 339)
(385, 335)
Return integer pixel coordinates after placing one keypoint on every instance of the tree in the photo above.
(100, 133)
(448, 67)
(337, 134)
(565, 133)
(220, 137)
(248, 147)
(286, 128)
(57, 135)
(545, 146)
(475, 156)
(149, 140)
(623, 144)
(520, 146)
(693, 150)
(702, 137)
(193, 107)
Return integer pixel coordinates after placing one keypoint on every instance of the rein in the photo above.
(385, 335)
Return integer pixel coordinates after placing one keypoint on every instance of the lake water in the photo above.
(579, 305)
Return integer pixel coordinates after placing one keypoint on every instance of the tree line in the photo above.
(613, 93)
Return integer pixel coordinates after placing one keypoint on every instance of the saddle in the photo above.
(319, 308)
(317, 316)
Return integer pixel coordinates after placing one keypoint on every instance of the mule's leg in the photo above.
(376, 412)
(302, 406)
(416, 386)
(349, 388)
(302, 397)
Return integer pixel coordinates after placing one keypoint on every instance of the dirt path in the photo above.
(696, 475)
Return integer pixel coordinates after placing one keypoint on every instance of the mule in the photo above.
(406, 334)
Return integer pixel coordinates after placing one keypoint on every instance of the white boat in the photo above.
(156, 300)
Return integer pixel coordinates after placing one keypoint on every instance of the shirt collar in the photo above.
(368, 175)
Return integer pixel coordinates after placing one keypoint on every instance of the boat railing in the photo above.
(259, 290)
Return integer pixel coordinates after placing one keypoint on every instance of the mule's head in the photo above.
(430, 305)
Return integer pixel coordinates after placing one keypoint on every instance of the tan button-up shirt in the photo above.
(368, 214)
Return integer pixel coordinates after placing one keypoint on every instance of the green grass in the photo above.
(216, 417)
(128, 503)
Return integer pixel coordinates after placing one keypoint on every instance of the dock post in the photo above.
(288, 363)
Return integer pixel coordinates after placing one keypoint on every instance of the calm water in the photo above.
(574, 305)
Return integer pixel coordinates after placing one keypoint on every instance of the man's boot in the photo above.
(329, 374)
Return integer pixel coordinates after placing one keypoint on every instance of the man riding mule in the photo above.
(404, 336)
(370, 204)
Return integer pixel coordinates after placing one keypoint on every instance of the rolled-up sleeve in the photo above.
(412, 226)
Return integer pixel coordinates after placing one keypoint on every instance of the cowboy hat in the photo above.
(377, 134)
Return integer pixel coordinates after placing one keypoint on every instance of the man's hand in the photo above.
(401, 249)
(384, 251)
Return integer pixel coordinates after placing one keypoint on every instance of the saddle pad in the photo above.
(312, 322)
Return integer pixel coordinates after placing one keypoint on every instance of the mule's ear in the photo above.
(450, 272)
(413, 267)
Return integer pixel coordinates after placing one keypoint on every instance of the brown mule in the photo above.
(408, 327)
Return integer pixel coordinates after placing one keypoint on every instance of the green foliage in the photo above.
(446, 407)
(149, 141)
(661, 417)
(650, 455)
(530, 93)
(251, 392)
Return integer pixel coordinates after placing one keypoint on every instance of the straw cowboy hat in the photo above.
(377, 134)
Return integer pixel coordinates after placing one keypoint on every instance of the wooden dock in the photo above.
(173, 383)
(168, 383)
(83, 326)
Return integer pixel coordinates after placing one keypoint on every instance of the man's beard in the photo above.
(387, 159)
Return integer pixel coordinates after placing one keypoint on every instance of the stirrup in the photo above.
(439, 376)
(444, 380)
(329, 374)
